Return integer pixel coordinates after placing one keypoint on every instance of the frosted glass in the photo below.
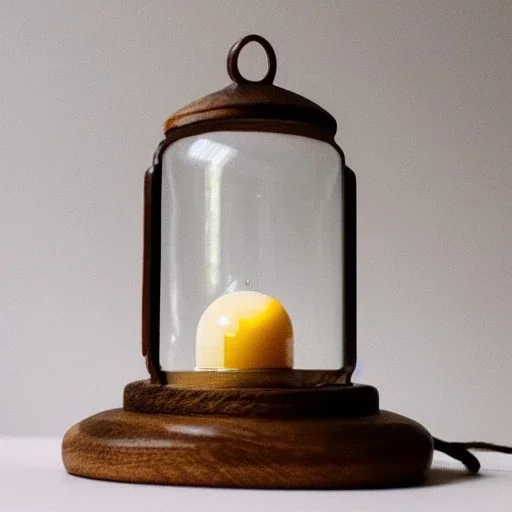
(252, 211)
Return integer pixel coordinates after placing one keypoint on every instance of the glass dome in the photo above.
(254, 218)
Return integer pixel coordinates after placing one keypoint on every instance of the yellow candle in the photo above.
(246, 331)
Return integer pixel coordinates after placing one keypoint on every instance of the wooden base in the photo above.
(315, 402)
(379, 450)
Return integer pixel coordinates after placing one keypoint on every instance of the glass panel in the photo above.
(251, 212)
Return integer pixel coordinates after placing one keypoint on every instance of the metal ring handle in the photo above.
(234, 52)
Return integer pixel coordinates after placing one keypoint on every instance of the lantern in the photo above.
(249, 311)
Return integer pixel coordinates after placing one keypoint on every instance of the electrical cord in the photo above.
(460, 451)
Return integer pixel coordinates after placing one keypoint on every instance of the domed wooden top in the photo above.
(253, 100)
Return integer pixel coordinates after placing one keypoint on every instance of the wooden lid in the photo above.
(253, 100)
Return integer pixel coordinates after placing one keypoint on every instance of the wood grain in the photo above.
(332, 453)
(331, 401)
(277, 378)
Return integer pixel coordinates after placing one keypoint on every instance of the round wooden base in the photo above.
(380, 450)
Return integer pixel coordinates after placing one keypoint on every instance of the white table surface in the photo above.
(32, 478)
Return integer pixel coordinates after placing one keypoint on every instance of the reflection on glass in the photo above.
(215, 155)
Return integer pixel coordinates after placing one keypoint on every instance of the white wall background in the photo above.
(422, 92)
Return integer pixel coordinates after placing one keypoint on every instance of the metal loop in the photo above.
(234, 52)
